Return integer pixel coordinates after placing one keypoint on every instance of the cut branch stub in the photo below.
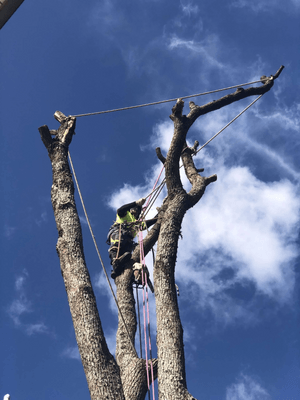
(177, 109)
(66, 131)
(46, 136)
(159, 155)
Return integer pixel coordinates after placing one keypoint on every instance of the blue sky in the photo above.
(238, 262)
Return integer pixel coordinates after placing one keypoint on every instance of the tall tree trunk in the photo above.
(101, 370)
(171, 361)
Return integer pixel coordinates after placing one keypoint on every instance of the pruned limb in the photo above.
(66, 131)
(159, 155)
(177, 109)
(45, 136)
(210, 179)
(194, 148)
(239, 94)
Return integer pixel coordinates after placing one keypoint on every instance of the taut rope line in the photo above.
(229, 123)
(164, 101)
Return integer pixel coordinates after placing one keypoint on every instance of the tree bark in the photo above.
(170, 347)
(101, 370)
(107, 378)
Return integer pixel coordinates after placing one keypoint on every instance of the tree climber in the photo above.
(122, 233)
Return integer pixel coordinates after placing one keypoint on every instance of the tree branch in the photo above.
(239, 94)
(159, 155)
(45, 136)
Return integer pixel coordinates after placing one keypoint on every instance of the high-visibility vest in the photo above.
(127, 218)
(116, 226)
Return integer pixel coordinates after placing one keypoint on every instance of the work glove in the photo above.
(140, 202)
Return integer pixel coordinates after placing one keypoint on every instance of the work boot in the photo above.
(118, 264)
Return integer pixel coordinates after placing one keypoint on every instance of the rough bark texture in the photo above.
(101, 370)
(125, 377)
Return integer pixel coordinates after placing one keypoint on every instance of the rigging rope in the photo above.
(99, 256)
(229, 123)
(164, 101)
(145, 290)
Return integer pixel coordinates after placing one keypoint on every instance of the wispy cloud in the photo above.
(246, 388)
(21, 306)
(266, 5)
(43, 218)
(189, 8)
(32, 329)
(83, 220)
(207, 49)
(9, 231)
(103, 287)
(72, 353)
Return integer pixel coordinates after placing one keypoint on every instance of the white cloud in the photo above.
(102, 285)
(72, 352)
(253, 223)
(106, 17)
(189, 8)
(21, 306)
(9, 231)
(243, 227)
(42, 219)
(83, 220)
(17, 308)
(32, 329)
(207, 49)
(266, 5)
(246, 388)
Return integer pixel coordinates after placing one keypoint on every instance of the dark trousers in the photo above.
(125, 246)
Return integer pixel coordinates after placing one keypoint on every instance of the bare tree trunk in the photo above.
(125, 378)
(171, 361)
(101, 370)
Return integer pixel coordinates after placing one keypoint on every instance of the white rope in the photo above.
(96, 246)
(229, 123)
(164, 101)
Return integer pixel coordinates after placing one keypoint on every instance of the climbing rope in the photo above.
(146, 312)
(99, 256)
(164, 101)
